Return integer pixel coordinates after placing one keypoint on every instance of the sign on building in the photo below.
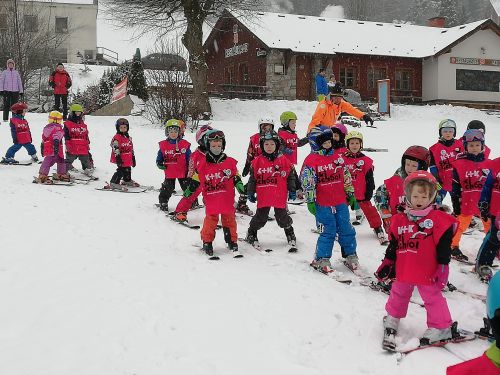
(474, 61)
(236, 50)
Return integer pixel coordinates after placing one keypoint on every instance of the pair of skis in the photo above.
(256, 245)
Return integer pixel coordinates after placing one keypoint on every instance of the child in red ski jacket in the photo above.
(271, 179)
(173, 158)
(122, 154)
(21, 134)
(418, 256)
(361, 169)
(218, 177)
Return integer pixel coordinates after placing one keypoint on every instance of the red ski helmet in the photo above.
(18, 107)
(422, 176)
(419, 154)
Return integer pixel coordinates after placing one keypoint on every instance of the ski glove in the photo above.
(292, 195)
(484, 209)
(386, 270)
(311, 206)
(251, 197)
(246, 169)
(440, 278)
(133, 161)
(161, 166)
(367, 119)
(119, 161)
(351, 199)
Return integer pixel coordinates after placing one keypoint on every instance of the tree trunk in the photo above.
(197, 66)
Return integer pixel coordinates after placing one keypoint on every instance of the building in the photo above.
(72, 25)
(493, 11)
(273, 55)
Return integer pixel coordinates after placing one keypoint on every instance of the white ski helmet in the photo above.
(265, 121)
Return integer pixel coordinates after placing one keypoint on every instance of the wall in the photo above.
(430, 83)
(281, 86)
(471, 47)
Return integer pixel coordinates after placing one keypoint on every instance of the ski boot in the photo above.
(179, 216)
(360, 217)
(382, 238)
(163, 205)
(484, 272)
(9, 161)
(457, 254)
(208, 248)
(352, 262)
(61, 177)
(34, 158)
(290, 236)
(322, 265)
(242, 207)
(88, 172)
(131, 183)
(251, 237)
(44, 179)
(433, 335)
(390, 331)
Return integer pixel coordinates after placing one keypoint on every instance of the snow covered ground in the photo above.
(97, 282)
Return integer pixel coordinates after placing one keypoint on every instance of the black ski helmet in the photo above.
(476, 124)
(121, 121)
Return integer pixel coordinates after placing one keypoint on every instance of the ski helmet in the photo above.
(286, 117)
(55, 117)
(341, 130)
(448, 124)
(265, 121)
(121, 121)
(419, 154)
(270, 136)
(212, 135)
(353, 134)
(18, 107)
(473, 135)
(200, 134)
(493, 297)
(319, 135)
(476, 124)
(173, 124)
(75, 107)
(420, 176)
(336, 90)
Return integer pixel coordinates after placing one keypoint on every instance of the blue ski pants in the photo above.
(11, 152)
(335, 221)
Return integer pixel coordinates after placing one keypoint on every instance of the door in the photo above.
(304, 77)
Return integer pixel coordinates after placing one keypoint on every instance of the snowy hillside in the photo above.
(99, 282)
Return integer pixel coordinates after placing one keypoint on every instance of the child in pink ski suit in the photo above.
(418, 256)
(52, 148)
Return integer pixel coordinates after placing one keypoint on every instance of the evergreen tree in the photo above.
(136, 79)
(105, 89)
(450, 10)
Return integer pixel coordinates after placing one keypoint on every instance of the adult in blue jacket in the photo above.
(321, 85)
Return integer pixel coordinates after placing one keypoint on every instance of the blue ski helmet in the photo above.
(493, 296)
(319, 135)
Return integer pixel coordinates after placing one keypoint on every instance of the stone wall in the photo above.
(122, 107)
(280, 86)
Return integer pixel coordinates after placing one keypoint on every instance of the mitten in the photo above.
(367, 119)
(440, 278)
(386, 270)
(251, 197)
(119, 161)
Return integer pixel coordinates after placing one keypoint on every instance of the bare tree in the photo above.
(164, 16)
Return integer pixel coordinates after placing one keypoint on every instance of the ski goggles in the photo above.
(473, 135)
(267, 136)
(215, 134)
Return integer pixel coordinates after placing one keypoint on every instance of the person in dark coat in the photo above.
(60, 81)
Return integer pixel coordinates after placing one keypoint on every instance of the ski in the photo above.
(372, 149)
(52, 182)
(191, 209)
(210, 257)
(21, 163)
(452, 288)
(333, 274)
(378, 286)
(121, 189)
(296, 202)
(185, 223)
(255, 245)
(485, 332)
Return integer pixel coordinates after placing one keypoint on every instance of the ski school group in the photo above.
(336, 175)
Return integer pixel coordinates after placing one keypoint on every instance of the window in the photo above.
(348, 77)
(243, 76)
(229, 75)
(404, 79)
(279, 69)
(31, 23)
(3, 21)
(374, 74)
(61, 25)
(89, 54)
(61, 55)
(478, 80)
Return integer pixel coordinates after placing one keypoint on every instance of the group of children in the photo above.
(335, 176)
(74, 132)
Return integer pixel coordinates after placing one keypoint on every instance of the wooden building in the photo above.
(277, 56)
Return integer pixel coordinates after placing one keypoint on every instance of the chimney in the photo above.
(436, 22)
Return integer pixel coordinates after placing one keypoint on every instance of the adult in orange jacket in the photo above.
(328, 110)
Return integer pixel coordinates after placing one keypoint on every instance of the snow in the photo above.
(336, 35)
(103, 283)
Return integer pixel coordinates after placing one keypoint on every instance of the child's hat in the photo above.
(18, 107)
(55, 117)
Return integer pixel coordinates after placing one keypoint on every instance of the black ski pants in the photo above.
(168, 187)
(260, 218)
(122, 172)
(57, 104)
(9, 98)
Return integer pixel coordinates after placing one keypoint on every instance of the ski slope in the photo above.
(96, 282)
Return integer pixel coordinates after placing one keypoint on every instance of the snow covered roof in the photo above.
(77, 2)
(321, 35)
